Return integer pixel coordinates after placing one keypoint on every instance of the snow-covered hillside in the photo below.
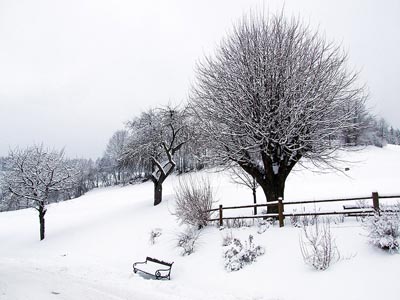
(92, 241)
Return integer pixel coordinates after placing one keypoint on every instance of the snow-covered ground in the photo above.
(92, 241)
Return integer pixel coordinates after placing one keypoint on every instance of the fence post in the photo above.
(220, 216)
(375, 201)
(280, 212)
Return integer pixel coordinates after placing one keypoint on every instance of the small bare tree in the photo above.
(155, 138)
(272, 94)
(241, 177)
(34, 174)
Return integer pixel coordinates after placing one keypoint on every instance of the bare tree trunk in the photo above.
(273, 190)
(254, 200)
(42, 212)
(157, 192)
(115, 178)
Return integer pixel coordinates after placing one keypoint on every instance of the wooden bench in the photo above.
(153, 267)
(358, 211)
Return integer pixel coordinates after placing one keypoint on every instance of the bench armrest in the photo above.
(139, 263)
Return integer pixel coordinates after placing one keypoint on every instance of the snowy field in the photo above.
(92, 241)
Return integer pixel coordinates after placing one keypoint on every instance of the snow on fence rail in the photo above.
(350, 210)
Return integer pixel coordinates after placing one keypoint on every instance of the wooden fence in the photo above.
(280, 215)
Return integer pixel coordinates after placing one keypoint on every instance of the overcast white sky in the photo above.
(73, 71)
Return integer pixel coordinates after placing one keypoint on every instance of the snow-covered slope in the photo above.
(92, 241)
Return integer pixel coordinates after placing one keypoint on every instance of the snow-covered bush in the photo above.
(237, 254)
(227, 239)
(271, 220)
(383, 230)
(302, 221)
(295, 220)
(154, 234)
(309, 220)
(187, 240)
(317, 245)
(194, 197)
(262, 226)
(238, 223)
(338, 219)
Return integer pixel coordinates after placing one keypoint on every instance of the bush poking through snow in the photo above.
(193, 198)
(383, 230)
(309, 220)
(295, 220)
(237, 255)
(154, 234)
(238, 223)
(187, 240)
(262, 226)
(302, 221)
(227, 239)
(318, 246)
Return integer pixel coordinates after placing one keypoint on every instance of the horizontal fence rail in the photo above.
(327, 200)
(350, 210)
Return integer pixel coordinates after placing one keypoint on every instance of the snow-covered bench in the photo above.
(358, 210)
(154, 267)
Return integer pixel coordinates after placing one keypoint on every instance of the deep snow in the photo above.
(92, 241)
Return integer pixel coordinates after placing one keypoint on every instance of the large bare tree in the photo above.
(33, 174)
(272, 94)
(155, 138)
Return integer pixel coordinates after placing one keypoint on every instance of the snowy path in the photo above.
(19, 281)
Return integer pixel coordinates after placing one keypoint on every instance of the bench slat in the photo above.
(158, 261)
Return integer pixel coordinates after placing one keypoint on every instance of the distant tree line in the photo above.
(372, 130)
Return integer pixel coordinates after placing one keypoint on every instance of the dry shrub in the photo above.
(238, 223)
(194, 197)
(187, 240)
(318, 246)
(154, 235)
